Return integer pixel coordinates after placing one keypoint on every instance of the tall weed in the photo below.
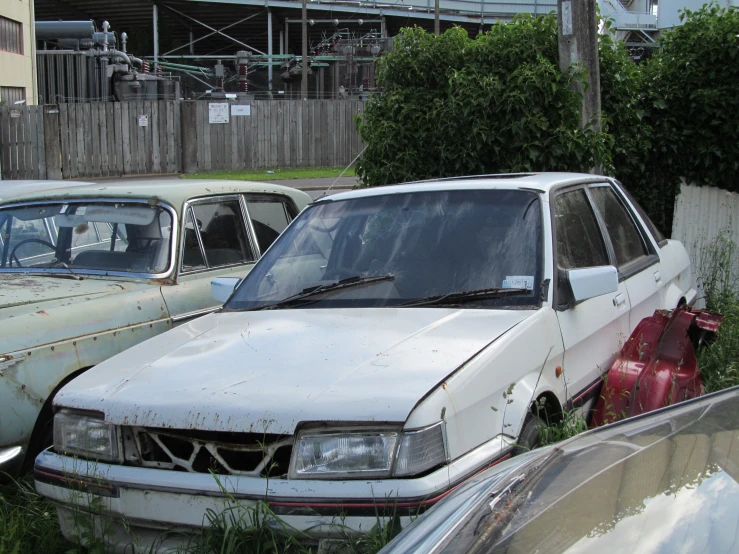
(718, 276)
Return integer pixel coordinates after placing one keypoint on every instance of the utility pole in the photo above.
(437, 28)
(577, 33)
(304, 82)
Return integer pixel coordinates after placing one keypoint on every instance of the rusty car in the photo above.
(392, 343)
(89, 270)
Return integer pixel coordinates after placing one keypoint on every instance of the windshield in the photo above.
(116, 237)
(395, 249)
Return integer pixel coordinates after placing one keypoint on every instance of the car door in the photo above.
(636, 258)
(216, 241)
(593, 329)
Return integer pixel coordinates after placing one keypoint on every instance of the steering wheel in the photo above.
(21, 243)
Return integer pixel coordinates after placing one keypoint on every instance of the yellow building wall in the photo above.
(18, 70)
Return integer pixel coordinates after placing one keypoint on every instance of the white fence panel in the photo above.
(701, 213)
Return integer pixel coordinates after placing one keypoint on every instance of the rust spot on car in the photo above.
(43, 312)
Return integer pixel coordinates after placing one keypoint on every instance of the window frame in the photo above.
(553, 194)
(246, 220)
(639, 264)
(171, 266)
(291, 212)
(12, 36)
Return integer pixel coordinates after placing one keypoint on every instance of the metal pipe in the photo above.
(192, 42)
(304, 60)
(54, 30)
(269, 48)
(106, 26)
(155, 22)
(282, 42)
(124, 37)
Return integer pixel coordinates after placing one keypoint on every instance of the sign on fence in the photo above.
(218, 112)
(237, 109)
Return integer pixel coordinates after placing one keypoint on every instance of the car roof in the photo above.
(541, 182)
(172, 191)
(12, 189)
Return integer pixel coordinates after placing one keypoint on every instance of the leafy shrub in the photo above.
(459, 106)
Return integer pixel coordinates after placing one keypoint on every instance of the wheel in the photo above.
(528, 439)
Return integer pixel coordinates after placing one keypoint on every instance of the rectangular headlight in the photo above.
(348, 454)
(86, 436)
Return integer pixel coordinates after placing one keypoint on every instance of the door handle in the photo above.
(619, 300)
(657, 277)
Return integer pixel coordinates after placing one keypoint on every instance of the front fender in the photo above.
(28, 376)
(492, 393)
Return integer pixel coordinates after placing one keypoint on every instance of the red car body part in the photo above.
(657, 366)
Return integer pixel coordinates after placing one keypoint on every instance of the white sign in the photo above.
(143, 121)
(240, 110)
(218, 112)
(519, 282)
(15, 114)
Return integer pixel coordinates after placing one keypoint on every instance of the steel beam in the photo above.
(269, 48)
(192, 42)
(155, 23)
(213, 29)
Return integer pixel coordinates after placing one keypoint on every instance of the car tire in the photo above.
(528, 438)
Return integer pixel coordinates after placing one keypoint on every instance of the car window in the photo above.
(659, 238)
(579, 240)
(419, 245)
(625, 237)
(215, 235)
(269, 216)
(121, 237)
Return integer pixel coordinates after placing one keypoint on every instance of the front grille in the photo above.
(258, 455)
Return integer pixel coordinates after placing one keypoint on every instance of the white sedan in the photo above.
(390, 345)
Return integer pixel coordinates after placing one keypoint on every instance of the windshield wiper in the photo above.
(321, 289)
(462, 297)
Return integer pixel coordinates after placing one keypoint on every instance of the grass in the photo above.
(275, 175)
(28, 522)
(718, 276)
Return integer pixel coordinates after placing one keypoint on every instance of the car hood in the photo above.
(266, 371)
(20, 289)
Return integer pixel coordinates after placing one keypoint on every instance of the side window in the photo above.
(269, 216)
(659, 238)
(215, 235)
(625, 237)
(579, 241)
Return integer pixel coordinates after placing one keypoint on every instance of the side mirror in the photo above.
(592, 281)
(221, 288)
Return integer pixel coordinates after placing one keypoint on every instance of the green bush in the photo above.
(498, 103)
(453, 105)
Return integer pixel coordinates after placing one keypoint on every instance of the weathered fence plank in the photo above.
(85, 140)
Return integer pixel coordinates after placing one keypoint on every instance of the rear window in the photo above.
(656, 233)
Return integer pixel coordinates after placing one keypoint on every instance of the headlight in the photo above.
(86, 436)
(362, 454)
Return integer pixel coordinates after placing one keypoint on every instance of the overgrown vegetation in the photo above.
(28, 522)
(498, 103)
(718, 275)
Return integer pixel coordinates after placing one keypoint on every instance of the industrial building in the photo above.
(17, 52)
(93, 50)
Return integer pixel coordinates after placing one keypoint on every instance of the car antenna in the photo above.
(342, 173)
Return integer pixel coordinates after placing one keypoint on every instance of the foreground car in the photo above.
(88, 270)
(390, 345)
(664, 482)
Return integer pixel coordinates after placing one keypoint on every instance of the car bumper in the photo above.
(155, 510)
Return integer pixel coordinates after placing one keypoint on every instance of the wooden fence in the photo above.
(22, 148)
(103, 139)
